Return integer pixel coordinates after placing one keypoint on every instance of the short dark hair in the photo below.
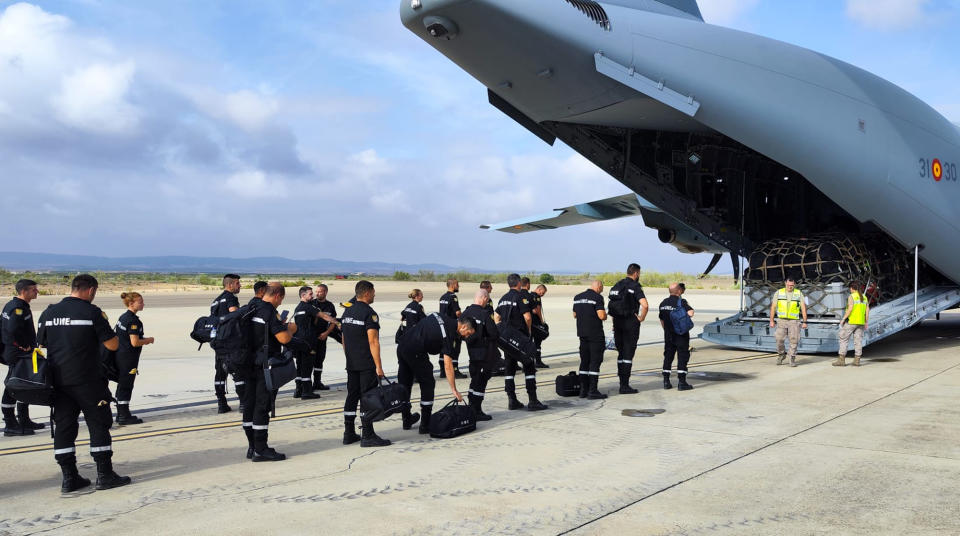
(486, 285)
(525, 281)
(230, 277)
(363, 287)
(323, 286)
(853, 284)
(259, 287)
(465, 321)
(304, 289)
(84, 282)
(24, 284)
(633, 269)
(276, 289)
(513, 280)
(789, 280)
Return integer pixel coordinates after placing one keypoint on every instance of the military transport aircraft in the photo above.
(730, 142)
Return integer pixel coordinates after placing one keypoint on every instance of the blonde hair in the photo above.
(129, 297)
(414, 293)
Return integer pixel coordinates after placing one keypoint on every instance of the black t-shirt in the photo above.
(631, 292)
(222, 304)
(73, 332)
(486, 328)
(512, 307)
(129, 324)
(535, 301)
(254, 302)
(18, 332)
(435, 335)
(667, 306)
(264, 325)
(449, 305)
(357, 320)
(305, 317)
(326, 307)
(585, 305)
(412, 314)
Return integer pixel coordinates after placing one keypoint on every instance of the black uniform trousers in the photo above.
(678, 345)
(257, 401)
(126, 368)
(591, 355)
(68, 402)
(626, 333)
(318, 361)
(305, 367)
(358, 382)
(417, 367)
(529, 367)
(481, 361)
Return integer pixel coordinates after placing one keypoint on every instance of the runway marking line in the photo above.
(333, 411)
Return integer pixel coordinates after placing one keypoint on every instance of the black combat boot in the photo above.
(513, 403)
(306, 391)
(72, 481)
(682, 384)
(297, 393)
(584, 385)
(317, 384)
(268, 455)
(533, 404)
(222, 406)
(443, 370)
(476, 404)
(409, 419)
(666, 380)
(625, 388)
(594, 393)
(370, 437)
(12, 425)
(349, 431)
(106, 477)
(459, 375)
(248, 431)
(540, 364)
(23, 411)
(124, 417)
(426, 412)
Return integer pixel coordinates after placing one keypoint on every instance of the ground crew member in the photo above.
(674, 344)
(537, 317)
(434, 335)
(19, 339)
(788, 305)
(129, 330)
(305, 316)
(226, 302)
(515, 311)
(265, 327)
(73, 331)
(325, 330)
(588, 310)
(629, 307)
(360, 326)
(482, 349)
(450, 309)
(854, 323)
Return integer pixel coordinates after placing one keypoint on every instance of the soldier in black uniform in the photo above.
(413, 312)
(305, 316)
(590, 314)
(482, 349)
(19, 339)
(539, 321)
(450, 309)
(226, 302)
(433, 335)
(72, 332)
(325, 330)
(360, 326)
(674, 344)
(628, 307)
(131, 337)
(259, 289)
(515, 311)
(266, 335)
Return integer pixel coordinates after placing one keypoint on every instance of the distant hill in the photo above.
(39, 262)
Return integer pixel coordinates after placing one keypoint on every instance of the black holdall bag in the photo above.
(541, 332)
(279, 370)
(568, 384)
(455, 419)
(513, 341)
(108, 364)
(29, 380)
(384, 400)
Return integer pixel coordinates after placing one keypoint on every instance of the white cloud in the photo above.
(249, 110)
(887, 14)
(94, 98)
(254, 185)
(725, 11)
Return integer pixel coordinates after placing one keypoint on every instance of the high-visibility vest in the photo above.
(858, 315)
(788, 304)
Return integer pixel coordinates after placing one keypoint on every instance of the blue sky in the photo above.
(300, 129)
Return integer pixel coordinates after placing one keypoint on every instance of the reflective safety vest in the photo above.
(858, 315)
(788, 304)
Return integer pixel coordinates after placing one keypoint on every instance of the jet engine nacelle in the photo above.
(685, 241)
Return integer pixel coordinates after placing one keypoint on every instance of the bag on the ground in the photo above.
(541, 332)
(515, 342)
(279, 371)
(384, 400)
(568, 384)
(29, 380)
(108, 364)
(455, 419)
(681, 321)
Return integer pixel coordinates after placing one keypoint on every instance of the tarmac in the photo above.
(754, 449)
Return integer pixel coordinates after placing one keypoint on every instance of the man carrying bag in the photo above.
(518, 348)
(360, 327)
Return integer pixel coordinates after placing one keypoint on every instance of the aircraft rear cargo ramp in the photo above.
(748, 331)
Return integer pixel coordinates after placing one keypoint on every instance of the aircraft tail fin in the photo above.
(679, 8)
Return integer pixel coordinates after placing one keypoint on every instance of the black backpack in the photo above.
(231, 331)
(203, 330)
(29, 380)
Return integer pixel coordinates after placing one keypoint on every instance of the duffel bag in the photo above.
(279, 371)
(455, 419)
(515, 342)
(568, 385)
(109, 368)
(541, 332)
(384, 400)
(29, 380)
